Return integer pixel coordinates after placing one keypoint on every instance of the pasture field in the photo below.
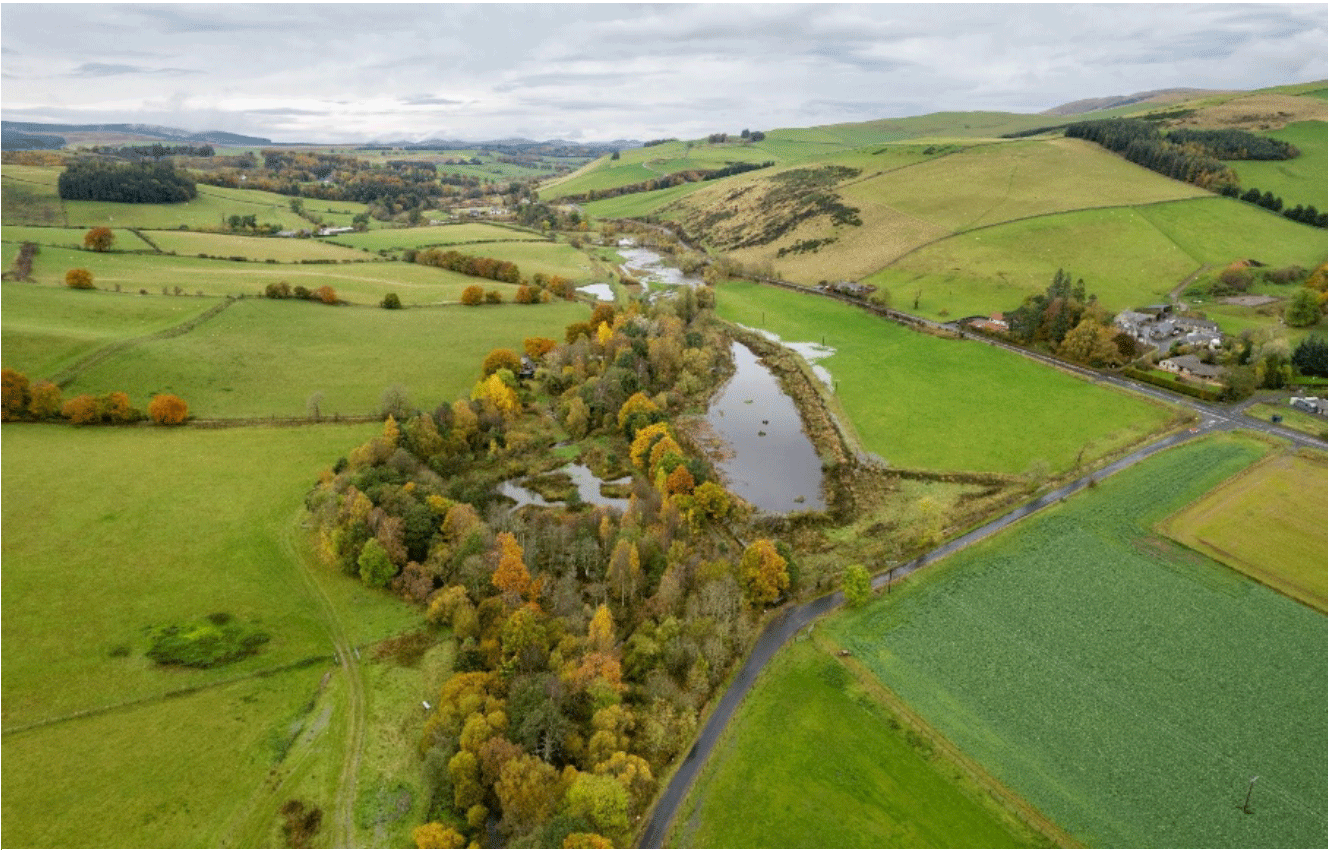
(550, 258)
(264, 358)
(923, 402)
(66, 237)
(640, 203)
(1267, 522)
(46, 329)
(1124, 686)
(991, 184)
(1301, 180)
(253, 248)
(397, 238)
(357, 283)
(1127, 256)
(104, 747)
(867, 782)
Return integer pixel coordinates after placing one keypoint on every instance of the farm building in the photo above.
(1191, 366)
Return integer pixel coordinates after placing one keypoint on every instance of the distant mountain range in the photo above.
(17, 130)
(1162, 96)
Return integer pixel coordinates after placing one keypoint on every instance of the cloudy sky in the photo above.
(332, 72)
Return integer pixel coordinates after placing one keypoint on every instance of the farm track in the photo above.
(68, 375)
(254, 819)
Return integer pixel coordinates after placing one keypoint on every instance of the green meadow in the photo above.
(255, 248)
(1301, 180)
(358, 283)
(840, 770)
(923, 402)
(47, 329)
(169, 526)
(1124, 686)
(262, 357)
(995, 183)
(1127, 256)
(397, 238)
(66, 237)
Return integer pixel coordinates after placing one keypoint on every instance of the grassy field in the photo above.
(262, 357)
(357, 283)
(1126, 687)
(991, 184)
(256, 248)
(1298, 420)
(1127, 256)
(868, 781)
(46, 329)
(96, 751)
(66, 237)
(923, 402)
(1268, 522)
(1301, 180)
(394, 239)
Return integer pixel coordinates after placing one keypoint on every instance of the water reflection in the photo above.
(768, 459)
(588, 488)
(649, 267)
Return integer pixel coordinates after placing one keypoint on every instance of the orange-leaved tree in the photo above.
(99, 239)
(14, 386)
(167, 409)
(764, 572)
(473, 295)
(78, 279)
(45, 401)
(510, 576)
(500, 358)
(326, 294)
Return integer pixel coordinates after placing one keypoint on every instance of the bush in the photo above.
(79, 279)
(494, 296)
(204, 644)
(280, 289)
(99, 239)
(391, 302)
(326, 294)
(473, 295)
(168, 409)
(81, 410)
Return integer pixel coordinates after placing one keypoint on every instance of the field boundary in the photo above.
(1007, 799)
(68, 375)
(179, 692)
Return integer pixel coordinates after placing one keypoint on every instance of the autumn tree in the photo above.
(81, 410)
(494, 392)
(500, 358)
(764, 573)
(510, 576)
(115, 407)
(537, 347)
(857, 585)
(326, 294)
(167, 409)
(14, 393)
(99, 239)
(78, 279)
(45, 400)
(436, 836)
(473, 295)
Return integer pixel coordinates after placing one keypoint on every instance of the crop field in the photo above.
(1268, 522)
(867, 782)
(358, 283)
(98, 751)
(1126, 687)
(923, 402)
(262, 357)
(397, 238)
(254, 248)
(1301, 180)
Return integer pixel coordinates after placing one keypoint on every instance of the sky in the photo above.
(346, 72)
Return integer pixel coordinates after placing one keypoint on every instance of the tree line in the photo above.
(21, 400)
(153, 151)
(128, 183)
(1141, 143)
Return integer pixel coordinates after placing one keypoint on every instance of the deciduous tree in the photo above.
(473, 295)
(764, 572)
(857, 585)
(14, 387)
(500, 358)
(510, 576)
(99, 239)
(167, 409)
(78, 279)
(45, 400)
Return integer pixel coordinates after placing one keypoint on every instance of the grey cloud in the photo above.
(428, 100)
(559, 79)
(103, 69)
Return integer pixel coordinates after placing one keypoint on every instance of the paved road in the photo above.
(789, 621)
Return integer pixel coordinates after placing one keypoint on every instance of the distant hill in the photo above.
(27, 135)
(1160, 96)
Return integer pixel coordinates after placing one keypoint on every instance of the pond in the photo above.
(588, 487)
(602, 291)
(766, 458)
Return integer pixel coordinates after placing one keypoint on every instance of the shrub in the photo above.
(280, 289)
(326, 294)
(15, 393)
(99, 239)
(81, 410)
(167, 409)
(78, 279)
(494, 296)
(473, 295)
(45, 401)
(391, 302)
